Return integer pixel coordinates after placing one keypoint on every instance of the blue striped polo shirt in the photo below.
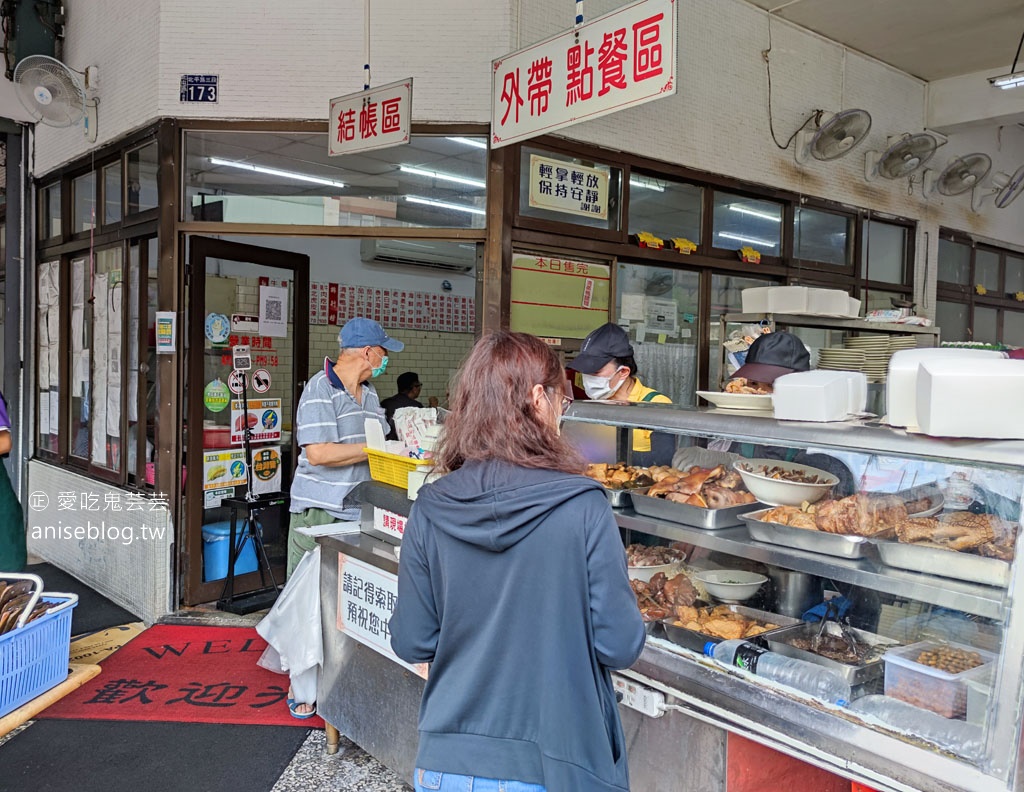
(328, 414)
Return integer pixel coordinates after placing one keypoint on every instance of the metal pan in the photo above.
(708, 519)
(854, 674)
(945, 563)
(618, 498)
(696, 641)
(836, 545)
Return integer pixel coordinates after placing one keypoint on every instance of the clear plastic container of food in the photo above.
(941, 691)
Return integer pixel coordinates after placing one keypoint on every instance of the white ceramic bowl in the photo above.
(645, 573)
(731, 585)
(777, 492)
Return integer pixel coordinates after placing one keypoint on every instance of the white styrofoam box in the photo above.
(775, 299)
(858, 384)
(819, 395)
(755, 299)
(827, 302)
(853, 307)
(971, 398)
(901, 384)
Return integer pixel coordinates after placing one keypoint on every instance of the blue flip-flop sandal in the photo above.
(292, 704)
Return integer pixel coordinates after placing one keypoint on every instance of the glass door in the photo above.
(240, 295)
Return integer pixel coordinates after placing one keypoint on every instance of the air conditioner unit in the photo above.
(450, 256)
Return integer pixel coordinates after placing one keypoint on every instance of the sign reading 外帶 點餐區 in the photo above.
(373, 119)
(620, 60)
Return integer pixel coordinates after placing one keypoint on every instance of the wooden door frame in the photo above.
(194, 590)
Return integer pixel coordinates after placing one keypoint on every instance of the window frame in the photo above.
(849, 270)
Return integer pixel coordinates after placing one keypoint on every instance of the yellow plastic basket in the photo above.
(392, 468)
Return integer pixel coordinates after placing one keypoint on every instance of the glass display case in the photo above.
(901, 545)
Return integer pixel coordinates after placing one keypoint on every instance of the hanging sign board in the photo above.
(560, 186)
(373, 119)
(620, 60)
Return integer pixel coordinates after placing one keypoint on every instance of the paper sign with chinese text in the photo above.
(564, 187)
(366, 600)
(264, 417)
(556, 297)
(373, 119)
(387, 522)
(266, 470)
(620, 60)
(223, 469)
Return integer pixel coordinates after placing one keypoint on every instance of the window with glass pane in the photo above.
(48, 355)
(83, 203)
(884, 254)
(666, 302)
(112, 193)
(81, 363)
(986, 329)
(108, 340)
(142, 171)
(1013, 328)
(132, 370)
(954, 262)
(986, 269)
(823, 237)
(726, 297)
(876, 300)
(567, 189)
(1014, 276)
(952, 320)
(49, 212)
(149, 353)
(667, 209)
(286, 178)
(747, 222)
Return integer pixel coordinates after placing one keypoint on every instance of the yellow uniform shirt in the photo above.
(642, 437)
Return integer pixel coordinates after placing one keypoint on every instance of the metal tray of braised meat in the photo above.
(808, 539)
(708, 519)
(944, 563)
(834, 652)
(619, 497)
(696, 641)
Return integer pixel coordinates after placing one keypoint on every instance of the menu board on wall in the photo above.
(336, 303)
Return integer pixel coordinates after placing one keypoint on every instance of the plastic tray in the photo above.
(927, 687)
(708, 519)
(392, 468)
(854, 674)
(34, 657)
(691, 639)
(836, 545)
(945, 563)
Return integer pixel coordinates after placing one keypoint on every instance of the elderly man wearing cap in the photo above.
(608, 371)
(331, 433)
(771, 356)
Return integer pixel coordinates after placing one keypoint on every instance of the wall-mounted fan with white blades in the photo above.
(1009, 187)
(959, 176)
(57, 95)
(904, 155)
(837, 136)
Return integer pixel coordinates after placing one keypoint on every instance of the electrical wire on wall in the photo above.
(815, 114)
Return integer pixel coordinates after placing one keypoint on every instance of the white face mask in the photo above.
(599, 387)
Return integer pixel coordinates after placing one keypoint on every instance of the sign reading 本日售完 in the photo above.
(620, 60)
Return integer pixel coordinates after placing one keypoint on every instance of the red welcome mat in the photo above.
(185, 674)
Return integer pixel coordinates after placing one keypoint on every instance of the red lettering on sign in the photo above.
(511, 95)
(539, 88)
(610, 58)
(581, 73)
(346, 126)
(647, 49)
(368, 120)
(391, 117)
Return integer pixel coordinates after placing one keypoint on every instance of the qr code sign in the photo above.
(273, 309)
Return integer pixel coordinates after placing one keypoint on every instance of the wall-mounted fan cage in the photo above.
(833, 135)
(56, 95)
(903, 156)
(962, 174)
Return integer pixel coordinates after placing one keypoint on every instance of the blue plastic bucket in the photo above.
(215, 550)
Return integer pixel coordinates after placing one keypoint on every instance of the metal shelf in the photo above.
(867, 573)
(831, 323)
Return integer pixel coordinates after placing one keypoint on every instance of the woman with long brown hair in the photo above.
(513, 587)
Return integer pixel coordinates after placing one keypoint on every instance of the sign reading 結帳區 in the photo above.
(373, 119)
(620, 60)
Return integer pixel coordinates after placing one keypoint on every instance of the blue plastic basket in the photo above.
(34, 658)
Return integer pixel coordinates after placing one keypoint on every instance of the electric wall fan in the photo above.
(54, 94)
(904, 155)
(837, 136)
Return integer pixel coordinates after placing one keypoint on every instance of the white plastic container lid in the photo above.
(901, 384)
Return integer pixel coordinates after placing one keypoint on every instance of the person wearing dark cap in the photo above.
(608, 371)
(770, 356)
(408, 389)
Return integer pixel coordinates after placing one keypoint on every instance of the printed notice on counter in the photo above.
(366, 601)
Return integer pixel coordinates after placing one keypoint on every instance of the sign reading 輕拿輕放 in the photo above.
(620, 60)
(560, 186)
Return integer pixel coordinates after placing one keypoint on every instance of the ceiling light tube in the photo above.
(444, 205)
(465, 141)
(442, 176)
(647, 184)
(763, 242)
(1004, 81)
(275, 172)
(752, 213)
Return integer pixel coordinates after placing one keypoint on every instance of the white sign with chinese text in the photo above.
(564, 187)
(373, 119)
(387, 522)
(620, 60)
(366, 600)
(263, 417)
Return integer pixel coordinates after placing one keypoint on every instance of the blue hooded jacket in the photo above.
(513, 586)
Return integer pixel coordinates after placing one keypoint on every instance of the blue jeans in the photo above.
(433, 781)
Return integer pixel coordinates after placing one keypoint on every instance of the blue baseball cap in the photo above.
(361, 332)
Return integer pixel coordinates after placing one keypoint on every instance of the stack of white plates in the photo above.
(876, 351)
(841, 359)
(896, 343)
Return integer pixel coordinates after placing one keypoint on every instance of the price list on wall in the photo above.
(336, 303)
